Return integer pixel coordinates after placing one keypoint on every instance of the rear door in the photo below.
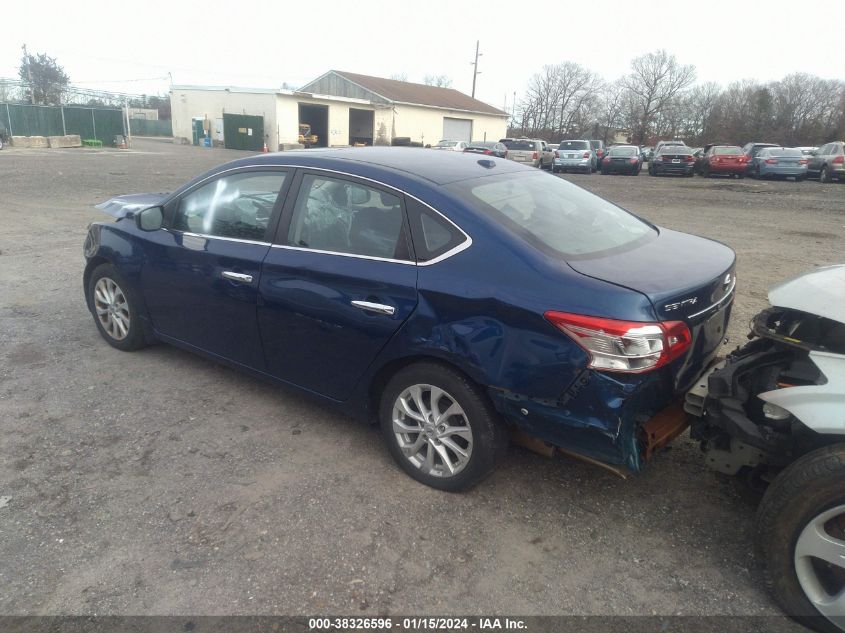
(200, 279)
(338, 282)
(816, 161)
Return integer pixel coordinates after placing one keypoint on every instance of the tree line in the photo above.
(660, 99)
(45, 82)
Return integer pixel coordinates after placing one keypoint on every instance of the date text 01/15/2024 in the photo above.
(416, 624)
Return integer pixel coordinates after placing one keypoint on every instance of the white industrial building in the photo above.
(341, 108)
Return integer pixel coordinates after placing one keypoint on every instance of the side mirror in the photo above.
(151, 219)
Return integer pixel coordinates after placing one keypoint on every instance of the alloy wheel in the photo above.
(820, 563)
(112, 308)
(432, 430)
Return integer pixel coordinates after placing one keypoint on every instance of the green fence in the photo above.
(102, 124)
(150, 127)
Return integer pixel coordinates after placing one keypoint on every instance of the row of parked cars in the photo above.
(756, 160)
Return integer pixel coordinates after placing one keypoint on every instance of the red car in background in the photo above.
(727, 160)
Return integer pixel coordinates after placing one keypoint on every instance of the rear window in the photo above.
(553, 214)
(574, 145)
(519, 145)
(486, 144)
(793, 152)
(446, 144)
(727, 151)
(624, 151)
(675, 150)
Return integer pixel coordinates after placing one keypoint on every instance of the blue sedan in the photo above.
(453, 299)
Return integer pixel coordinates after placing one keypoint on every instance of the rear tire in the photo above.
(408, 403)
(798, 498)
(824, 175)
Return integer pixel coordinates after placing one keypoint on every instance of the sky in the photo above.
(266, 43)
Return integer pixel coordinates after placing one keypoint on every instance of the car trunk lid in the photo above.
(686, 278)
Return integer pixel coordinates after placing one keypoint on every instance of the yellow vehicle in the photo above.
(305, 136)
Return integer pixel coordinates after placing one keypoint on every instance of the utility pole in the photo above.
(475, 71)
(29, 74)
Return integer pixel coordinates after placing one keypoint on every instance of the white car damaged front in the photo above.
(774, 411)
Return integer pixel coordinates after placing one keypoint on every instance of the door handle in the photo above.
(228, 274)
(374, 307)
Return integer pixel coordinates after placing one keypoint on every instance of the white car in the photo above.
(455, 146)
(774, 410)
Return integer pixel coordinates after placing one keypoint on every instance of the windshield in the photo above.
(624, 151)
(727, 151)
(519, 145)
(552, 213)
(446, 144)
(574, 145)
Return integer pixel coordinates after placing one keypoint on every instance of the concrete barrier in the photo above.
(71, 140)
(29, 141)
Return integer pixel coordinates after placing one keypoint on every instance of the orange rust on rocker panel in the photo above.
(664, 427)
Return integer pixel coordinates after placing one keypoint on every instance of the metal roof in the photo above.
(405, 92)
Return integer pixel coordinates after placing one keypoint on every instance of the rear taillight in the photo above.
(803, 161)
(535, 156)
(506, 153)
(586, 155)
(557, 154)
(624, 346)
(606, 159)
(665, 159)
(771, 161)
(634, 161)
(689, 159)
(488, 152)
(838, 160)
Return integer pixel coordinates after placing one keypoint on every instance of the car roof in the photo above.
(414, 163)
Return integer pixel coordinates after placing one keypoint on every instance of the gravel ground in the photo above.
(161, 483)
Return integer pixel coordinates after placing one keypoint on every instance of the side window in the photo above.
(238, 206)
(825, 149)
(341, 216)
(433, 235)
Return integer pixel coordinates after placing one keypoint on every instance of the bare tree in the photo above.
(655, 82)
(561, 100)
(441, 81)
(399, 76)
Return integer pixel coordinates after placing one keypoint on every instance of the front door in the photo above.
(200, 280)
(337, 284)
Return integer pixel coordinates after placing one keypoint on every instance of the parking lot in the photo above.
(158, 482)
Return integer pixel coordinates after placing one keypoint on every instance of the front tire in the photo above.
(801, 538)
(115, 309)
(440, 428)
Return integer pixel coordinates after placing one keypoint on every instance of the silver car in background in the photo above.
(529, 151)
(575, 155)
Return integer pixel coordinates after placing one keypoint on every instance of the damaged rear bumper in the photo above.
(618, 421)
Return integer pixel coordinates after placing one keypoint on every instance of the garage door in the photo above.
(241, 131)
(457, 129)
